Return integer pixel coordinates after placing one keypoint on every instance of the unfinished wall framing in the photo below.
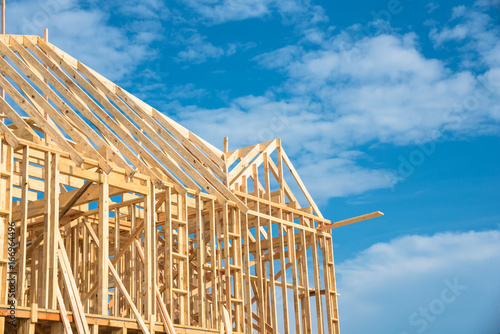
(114, 218)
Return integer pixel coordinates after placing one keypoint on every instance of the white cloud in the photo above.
(431, 7)
(403, 286)
(336, 177)
(198, 50)
(86, 34)
(188, 91)
(292, 11)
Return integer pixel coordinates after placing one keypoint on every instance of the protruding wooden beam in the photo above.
(351, 220)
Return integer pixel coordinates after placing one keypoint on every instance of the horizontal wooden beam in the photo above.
(351, 221)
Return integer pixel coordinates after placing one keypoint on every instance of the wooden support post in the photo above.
(46, 279)
(227, 261)
(3, 17)
(293, 259)
(255, 177)
(279, 152)
(267, 182)
(122, 330)
(168, 264)
(116, 292)
(149, 244)
(272, 285)
(53, 223)
(103, 230)
(200, 262)
(304, 282)
(317, 284)
(22, 277)
(133, 256)
(248, 280)
(6, 165)
(2, 92)
(94, 329)
(259, 271)
(284, 289)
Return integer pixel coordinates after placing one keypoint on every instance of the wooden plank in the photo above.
(21, 278)
(46, 233)
(64, 314)
(328, 288)
(149, 243)
(227, 261)
(248, 284)
(259, 271)
(53, 221)
(168, 261)
(200, 261)
(284, 290)
(273, 313)
(68, 278)
(211, 151)
(227, 321)
(317, 284)
(304, 282)
(103, 230)
(350, 221)
(293, 259)
(281, 180)
(214, 249)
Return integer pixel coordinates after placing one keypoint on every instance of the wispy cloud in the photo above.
(197, 49)
(300, 12)
(474, 34)
(445, 283)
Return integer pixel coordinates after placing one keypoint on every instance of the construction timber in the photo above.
(116, 219)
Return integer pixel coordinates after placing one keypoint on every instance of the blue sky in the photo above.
(382, 105)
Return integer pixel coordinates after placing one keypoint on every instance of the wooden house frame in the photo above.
(116, 219)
